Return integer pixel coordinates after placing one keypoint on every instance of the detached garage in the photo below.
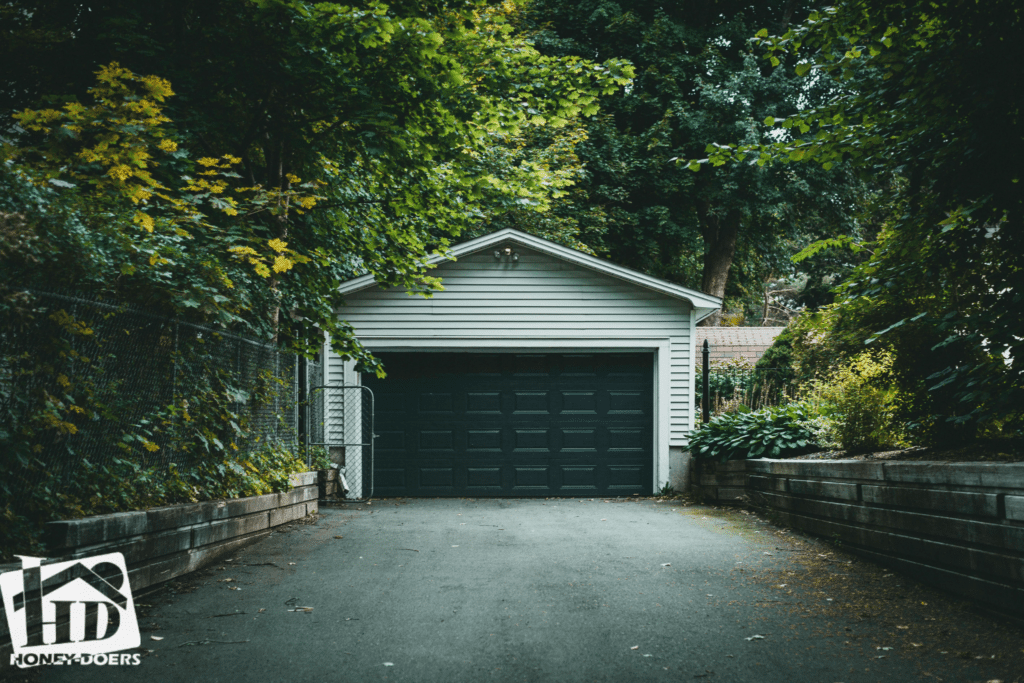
(537, 371)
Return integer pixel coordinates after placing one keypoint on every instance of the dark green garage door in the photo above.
(468, 424)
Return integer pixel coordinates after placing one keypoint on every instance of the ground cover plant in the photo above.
(767, 433)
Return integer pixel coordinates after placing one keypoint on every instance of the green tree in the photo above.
(697, 80)
(384, 111)
(931, 105)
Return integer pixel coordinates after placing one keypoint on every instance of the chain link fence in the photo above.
(87, 380)
(340, 420)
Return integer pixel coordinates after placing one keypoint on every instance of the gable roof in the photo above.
(703, 304)
(737, 342)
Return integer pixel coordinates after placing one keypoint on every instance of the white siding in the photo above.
(535, 298)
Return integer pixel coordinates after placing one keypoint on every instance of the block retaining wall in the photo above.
(959, 526)
(166, 542)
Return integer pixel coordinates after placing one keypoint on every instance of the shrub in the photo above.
(124, 484)
(860, 406)
(736, 382)
(767, 433)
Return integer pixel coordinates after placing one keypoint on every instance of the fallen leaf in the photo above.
(755, 638)
(903, 628)
(156, 637)
(455, 546)
(234, 588)
(604, 520)
(339, 537)
(301, 609)
(635, 647)
(291, 563)
(225, 580)
(667, 564)
(883, 648)
(389, 663)
(917, 644)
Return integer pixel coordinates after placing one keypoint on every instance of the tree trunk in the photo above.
(720, 236)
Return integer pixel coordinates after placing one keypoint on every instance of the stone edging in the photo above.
(959, 526)
(166, 542)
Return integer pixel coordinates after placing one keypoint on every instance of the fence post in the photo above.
(303, 416)
(706, 398)
(174, 389)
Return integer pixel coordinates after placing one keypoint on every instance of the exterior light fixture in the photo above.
(506, 252)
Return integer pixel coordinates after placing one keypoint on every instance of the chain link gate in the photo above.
(339, 419)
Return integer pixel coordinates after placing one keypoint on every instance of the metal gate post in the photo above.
(345, 435)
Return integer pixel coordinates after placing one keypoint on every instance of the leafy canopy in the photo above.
(928, 103)
(307, 143)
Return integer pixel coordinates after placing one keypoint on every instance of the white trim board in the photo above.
(703, 304)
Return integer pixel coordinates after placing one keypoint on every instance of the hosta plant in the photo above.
(768, 433)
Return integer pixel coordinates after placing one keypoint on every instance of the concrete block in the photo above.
(680, 468)
(1007, 476)
(733, 466)
(826, 469)
(1005, 598)
(229, 528)
(71, 533)
(287, 514)
(226, 509)
(979, 563)
(1000, 537)
(960, 502)
(324, 476)
(312, 506)
(303, 478)
(761, 483)
(730, 494)
(166, 568)
(709, 493)
(174, 516)
(823, 489)
(1015, 508)
(140, 548)
(724, 479)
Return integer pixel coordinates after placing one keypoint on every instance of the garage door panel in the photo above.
(483, 402)
(437, 477)
(514, 424)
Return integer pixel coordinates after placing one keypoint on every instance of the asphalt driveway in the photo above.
(554, 590)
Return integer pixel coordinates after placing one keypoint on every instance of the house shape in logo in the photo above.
(81, 606)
